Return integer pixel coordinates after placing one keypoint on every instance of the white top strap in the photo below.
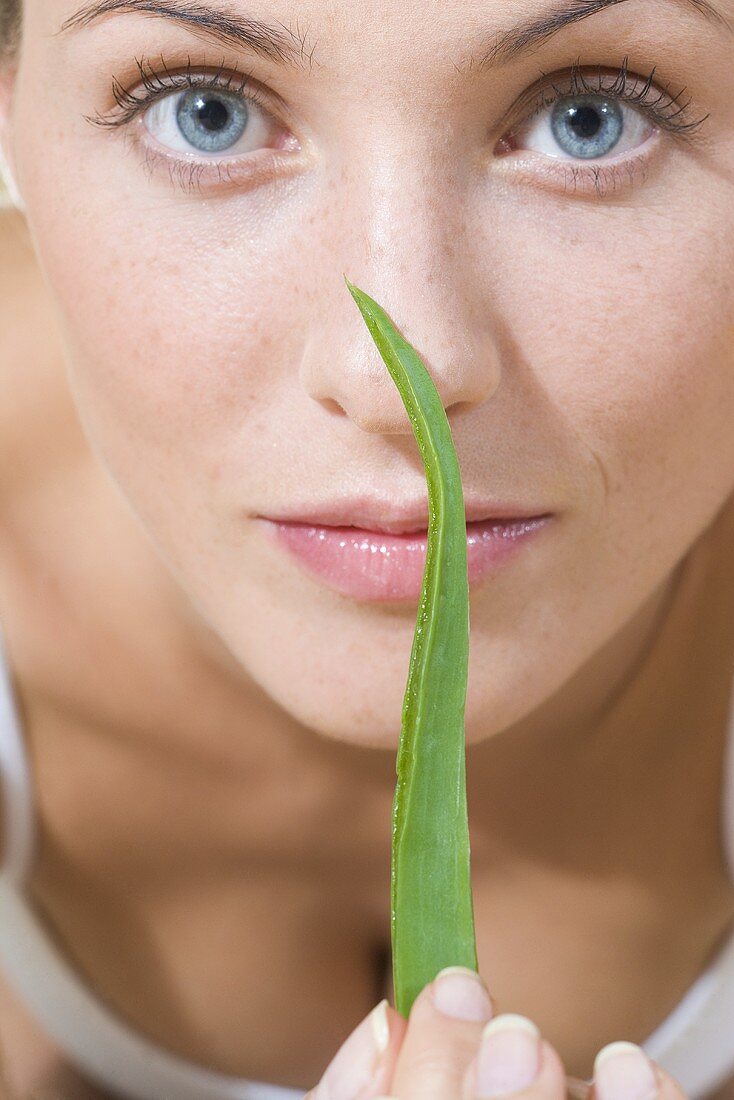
(16, 785)
(694, 1042)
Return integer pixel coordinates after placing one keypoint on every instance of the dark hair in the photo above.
(9, 27)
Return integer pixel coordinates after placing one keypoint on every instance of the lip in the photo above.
(411, 517)
(378, 566)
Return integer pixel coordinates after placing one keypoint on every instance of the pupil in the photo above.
(212, 114)
(585, 121)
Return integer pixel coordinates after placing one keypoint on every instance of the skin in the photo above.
(192, 371)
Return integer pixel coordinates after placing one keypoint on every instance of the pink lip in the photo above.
(377, 566)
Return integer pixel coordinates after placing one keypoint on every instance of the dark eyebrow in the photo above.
(278, 43)
(521, 38)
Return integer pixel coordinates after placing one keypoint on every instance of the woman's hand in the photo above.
(455, 1047)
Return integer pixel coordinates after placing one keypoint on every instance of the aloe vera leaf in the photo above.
(432, 918)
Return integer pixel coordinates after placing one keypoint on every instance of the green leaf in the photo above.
(432, 913)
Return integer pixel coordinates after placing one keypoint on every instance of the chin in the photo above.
(386, 740)
(348, 726)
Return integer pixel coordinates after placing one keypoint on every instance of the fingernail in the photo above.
(622, 1071)
(509, 1056)
(353, 1067)
(461, 994)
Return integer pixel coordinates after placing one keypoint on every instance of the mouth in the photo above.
(379, 563)
(388, 517)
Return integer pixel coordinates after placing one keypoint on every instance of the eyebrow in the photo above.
(284, 46)
(523, 37)
(277, 43)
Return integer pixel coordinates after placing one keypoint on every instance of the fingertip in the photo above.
(366, 1059)
(623, 1071)
(666, 1087)
(547, 1084)
(388, 1026)
(460, 994)
(381, 1026)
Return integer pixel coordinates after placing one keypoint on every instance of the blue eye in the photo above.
(211, 121)
(584, 127)
(587, 126)
(208, 121)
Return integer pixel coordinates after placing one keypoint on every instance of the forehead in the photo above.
(472, 36)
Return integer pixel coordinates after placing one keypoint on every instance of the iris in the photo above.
(211, 121)
(585, 127)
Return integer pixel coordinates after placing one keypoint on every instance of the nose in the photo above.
(433, 306)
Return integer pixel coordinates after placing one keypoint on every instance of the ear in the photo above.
(7, 165)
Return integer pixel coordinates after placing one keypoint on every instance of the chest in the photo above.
(264, 982)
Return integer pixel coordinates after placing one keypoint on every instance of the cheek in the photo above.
(631, 353)
(175, 351)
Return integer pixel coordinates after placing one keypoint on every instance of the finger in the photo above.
(363, 1066)
(444, 1028)
(513, 1060)
(622, 1071)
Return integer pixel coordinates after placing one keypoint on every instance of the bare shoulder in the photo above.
(14, 237)
(34, 406)
(18, 336)
(23, 289)
(31, 359)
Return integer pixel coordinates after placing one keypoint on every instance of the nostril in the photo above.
(333, 406)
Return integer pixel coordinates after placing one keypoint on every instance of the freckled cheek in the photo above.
(648, 381)
(158, 365)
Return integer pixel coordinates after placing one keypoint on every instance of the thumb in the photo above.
(362, 1068)
(444, 1030)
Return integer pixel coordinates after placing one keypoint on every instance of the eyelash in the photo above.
(623, 88)
(156, 85)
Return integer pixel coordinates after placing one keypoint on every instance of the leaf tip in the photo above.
(364, 302)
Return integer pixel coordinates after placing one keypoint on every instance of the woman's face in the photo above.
(566, 276)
